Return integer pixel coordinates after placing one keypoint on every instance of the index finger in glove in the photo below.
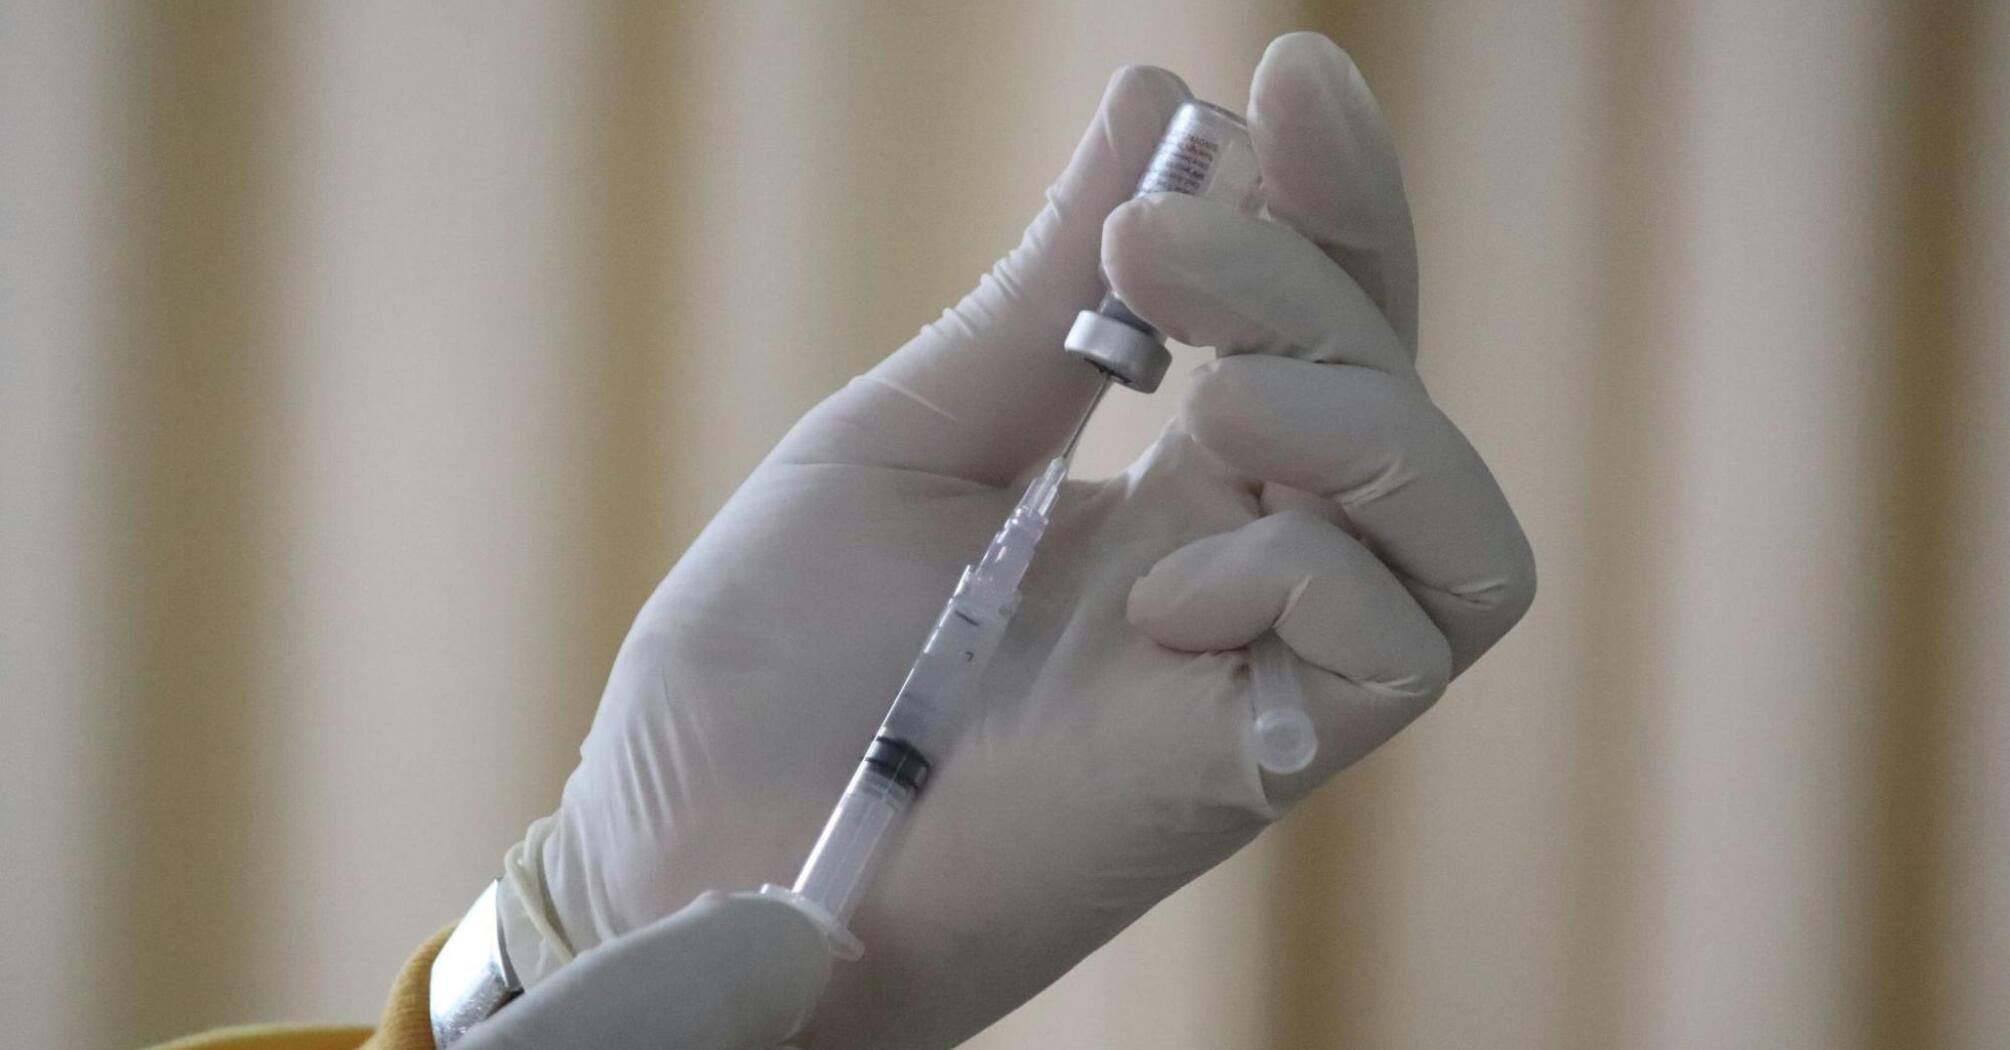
(1209, 275)
(738, 972)
(1404, 475)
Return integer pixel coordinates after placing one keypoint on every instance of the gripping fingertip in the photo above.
(1137, 103)
(1152, 84)
(1306, 81)
(1221, 406)
(1126, 237)
(1160, 602)
(1307, 47)
(1303, 61)
(1158, 249)
(1151, 608)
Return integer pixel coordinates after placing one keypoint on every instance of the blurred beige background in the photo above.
(363, 365)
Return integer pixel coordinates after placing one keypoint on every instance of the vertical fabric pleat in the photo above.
(1968, 932)
(183, 759)
(438, 435)
(1761, 764)
(63, 76)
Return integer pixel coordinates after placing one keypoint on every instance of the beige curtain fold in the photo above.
(363, 365)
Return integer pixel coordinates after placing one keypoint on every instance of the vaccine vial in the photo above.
(1205, 152)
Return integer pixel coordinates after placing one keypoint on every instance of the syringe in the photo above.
(925, 716)
(1206, 151)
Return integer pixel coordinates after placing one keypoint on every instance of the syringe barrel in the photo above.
(918, 727)
(923, 721)
(930, 705)
(841, 864)
(1205, 152)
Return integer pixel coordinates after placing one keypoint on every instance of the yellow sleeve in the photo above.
(406, 1023)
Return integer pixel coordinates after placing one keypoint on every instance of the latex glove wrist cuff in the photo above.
(533, 944)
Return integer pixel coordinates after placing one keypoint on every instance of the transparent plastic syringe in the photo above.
(1206, 151)
(926, 715)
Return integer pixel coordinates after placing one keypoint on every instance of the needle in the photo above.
(1075, 436)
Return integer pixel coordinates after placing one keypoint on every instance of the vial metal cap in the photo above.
(1114, 340)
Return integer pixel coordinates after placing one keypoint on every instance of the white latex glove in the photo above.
(1108, 760)
(737, 972)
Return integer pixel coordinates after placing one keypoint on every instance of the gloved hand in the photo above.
(1308, 484)
(736, 972)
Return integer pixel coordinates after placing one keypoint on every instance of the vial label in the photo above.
(1181, 165)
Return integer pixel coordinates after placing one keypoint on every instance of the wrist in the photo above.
(504, 945)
